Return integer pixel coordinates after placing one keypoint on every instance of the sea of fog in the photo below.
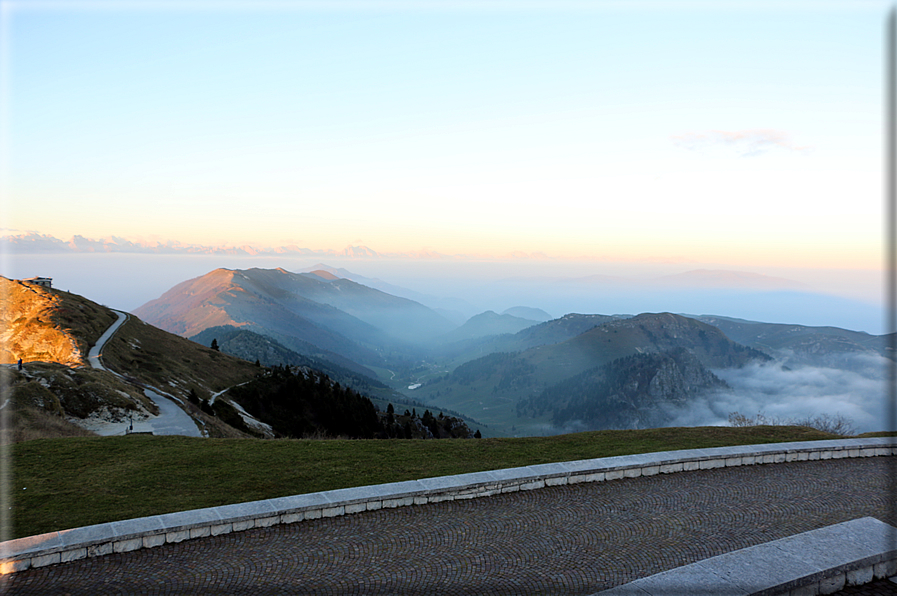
(857, 394)
(860, 395)
(126, 281)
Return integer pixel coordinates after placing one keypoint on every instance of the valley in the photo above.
(518, 372)
(598, 384)
(504, 372)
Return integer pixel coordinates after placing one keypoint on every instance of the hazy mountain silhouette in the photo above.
(310, 314)
(256, 300)
(549, 332)
(486, 324)
(455, 310)
(801, 344)
(528, 312)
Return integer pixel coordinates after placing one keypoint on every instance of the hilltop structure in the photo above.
(46, 282)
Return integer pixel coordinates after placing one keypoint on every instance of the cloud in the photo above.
(858, 393)
(747, 143)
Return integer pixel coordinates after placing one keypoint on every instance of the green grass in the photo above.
(71, 482)
(156, 357)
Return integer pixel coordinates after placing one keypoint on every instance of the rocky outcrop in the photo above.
(639, 391)
(679, 376)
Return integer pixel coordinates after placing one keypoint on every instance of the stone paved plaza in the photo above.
(575, 539)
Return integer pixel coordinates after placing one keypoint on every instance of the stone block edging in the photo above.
(820, 561)
(148, 532)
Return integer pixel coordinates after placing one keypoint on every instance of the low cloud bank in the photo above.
(857, 391)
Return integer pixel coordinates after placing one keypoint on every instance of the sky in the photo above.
(580, 137)
(748, 135)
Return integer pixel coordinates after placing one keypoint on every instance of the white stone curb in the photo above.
(149, 532)
(820, 561)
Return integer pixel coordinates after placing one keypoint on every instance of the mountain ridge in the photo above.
(231, 297)
(490, 387)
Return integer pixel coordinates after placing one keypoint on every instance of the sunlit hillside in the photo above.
(57, 394)
(37, 324)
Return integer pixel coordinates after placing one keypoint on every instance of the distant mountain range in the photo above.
(34, 243)
(503, 385)
(497, 368)
(801, 344)
(455, 310)
(547, 333)
(518, 368)
(637, 391)
(527, 312)
(225, 297)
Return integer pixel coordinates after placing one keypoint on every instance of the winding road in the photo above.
(172, 420)
(97, 351)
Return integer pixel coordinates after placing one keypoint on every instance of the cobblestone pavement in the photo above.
(575, 539)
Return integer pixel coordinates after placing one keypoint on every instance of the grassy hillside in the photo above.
(155, 357)
(248, 345)
(39, 324)
(67, 483)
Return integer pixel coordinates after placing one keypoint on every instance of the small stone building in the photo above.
(46, 282)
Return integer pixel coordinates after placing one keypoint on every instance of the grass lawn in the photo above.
(66, 483)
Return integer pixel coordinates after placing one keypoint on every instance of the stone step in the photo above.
(820, 561)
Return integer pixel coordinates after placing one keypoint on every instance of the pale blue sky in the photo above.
(711, 132)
